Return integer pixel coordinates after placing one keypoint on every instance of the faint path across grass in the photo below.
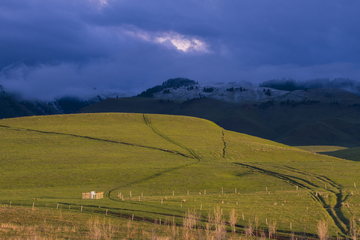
(147, 121)
(224, 148)
(148, 178)
(97, 139)
(193, 155)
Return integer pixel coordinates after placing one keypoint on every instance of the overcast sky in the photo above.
(57, 47)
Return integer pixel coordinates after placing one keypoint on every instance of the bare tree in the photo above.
(233, 219)
(322, 230)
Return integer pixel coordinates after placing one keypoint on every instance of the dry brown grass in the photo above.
(272, 229)
(354, 231)
(219, 223)
(256, 220)
(208, 226)
(262, 235)
(233, 219)
(101, 230)
(249, 230)
(322, 230)
(189, 224)
(173, 229)
(25, 223)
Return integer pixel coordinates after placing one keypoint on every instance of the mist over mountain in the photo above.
(169, 86)
(291, 84)
(181, 89)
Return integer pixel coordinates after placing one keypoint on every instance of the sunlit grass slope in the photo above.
(163, 165)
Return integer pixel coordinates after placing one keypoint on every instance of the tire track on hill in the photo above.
(148, 178)
(156, 131)
(193, 156)
(117, 142)
(319, 177)
(334, 212)
(224, 148)
(147, 121)
(97, 139)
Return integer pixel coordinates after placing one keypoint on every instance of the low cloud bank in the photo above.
(116, 78)
(291, 84)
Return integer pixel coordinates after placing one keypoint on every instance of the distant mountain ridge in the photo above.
(182, 89)
(12, 106)
(304, 116)
(314, 116)
(295, 123)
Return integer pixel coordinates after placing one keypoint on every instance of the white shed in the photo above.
(92, 195)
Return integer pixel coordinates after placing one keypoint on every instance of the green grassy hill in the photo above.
(292, 123)
(163, 165)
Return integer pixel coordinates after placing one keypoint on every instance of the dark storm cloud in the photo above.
(50, 48)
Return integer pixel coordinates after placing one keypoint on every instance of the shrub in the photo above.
(210, 89)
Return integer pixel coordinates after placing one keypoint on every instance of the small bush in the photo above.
(210, 89)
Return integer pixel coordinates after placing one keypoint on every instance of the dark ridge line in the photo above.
(319, 177)
(156, 131)
(332, 211)
(287, 178)
(147, 178)
(224, 148)
(331, 181)
(337, 217)
(97, 139)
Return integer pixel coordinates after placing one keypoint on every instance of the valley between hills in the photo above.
(184, 162)
(167, 168)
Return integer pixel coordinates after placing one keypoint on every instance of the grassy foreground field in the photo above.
(153, 167)
(28, 223)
